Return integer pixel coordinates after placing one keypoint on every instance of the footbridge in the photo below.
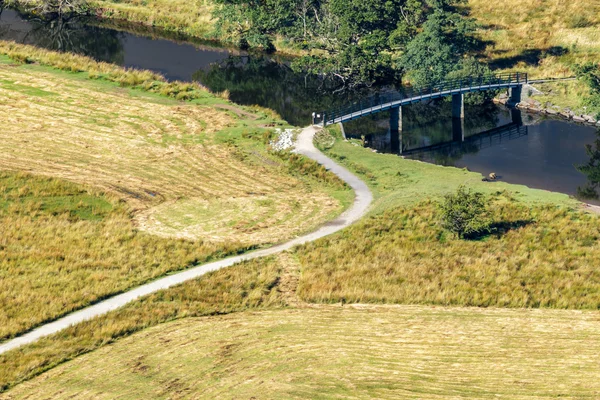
(395, 100)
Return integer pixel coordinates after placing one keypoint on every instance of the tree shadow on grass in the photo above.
(499, 229)
(529, 57)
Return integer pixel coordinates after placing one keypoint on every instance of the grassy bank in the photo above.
(341, 352)
(171, 183)
(542, 253)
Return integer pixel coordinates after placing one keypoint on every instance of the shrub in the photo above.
(465, 213)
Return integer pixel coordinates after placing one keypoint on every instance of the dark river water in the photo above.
(520, 148)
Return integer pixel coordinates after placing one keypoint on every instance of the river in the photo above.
(520, 148)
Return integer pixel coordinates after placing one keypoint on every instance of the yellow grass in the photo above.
(161, 156)
(343, 352)
(257, 284)
(519, 29)
(542, 257)
(184, 171)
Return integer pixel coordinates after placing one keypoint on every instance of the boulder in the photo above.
(589, 119)
(551, 111)
(565, 114)
(578, 118)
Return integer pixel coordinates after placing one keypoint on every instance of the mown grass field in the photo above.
(399, 255)
(259, 284)
(120, 182)
(343, 352)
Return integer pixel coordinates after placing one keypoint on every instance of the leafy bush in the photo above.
(465, 213)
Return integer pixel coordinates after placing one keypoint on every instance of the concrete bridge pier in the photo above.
(515, 96)
(458, 129)
(396, 128)
(458, 106)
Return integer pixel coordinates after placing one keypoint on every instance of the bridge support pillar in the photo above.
(515, 96)
(458, 106)
(458, 130)
(396, 127)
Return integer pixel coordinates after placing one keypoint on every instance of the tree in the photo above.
(360, 42)
(592, 171)
(464, 213)
(439, 48)
(590, 74)
(470, 68)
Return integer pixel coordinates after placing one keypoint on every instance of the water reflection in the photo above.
(256, 79)
(68, 34)
(522, 148)
(426, 125)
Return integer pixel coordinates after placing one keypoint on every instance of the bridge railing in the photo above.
(380, 101)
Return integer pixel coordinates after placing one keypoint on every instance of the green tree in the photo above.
(439, 48)
(590, 74)
(465, 213)
(592, 171)
(360, 42)
(470, 69)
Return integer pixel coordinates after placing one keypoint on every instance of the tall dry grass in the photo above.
(63, 247)
(544, 37)
(544, 257)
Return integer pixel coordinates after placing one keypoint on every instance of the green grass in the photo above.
(397, 182)
(543, 254)
(343, 352)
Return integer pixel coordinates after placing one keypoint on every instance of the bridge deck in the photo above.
(387, 101)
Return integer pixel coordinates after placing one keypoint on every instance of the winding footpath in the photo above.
(304, 146)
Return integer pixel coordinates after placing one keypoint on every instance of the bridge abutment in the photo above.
(458, 106)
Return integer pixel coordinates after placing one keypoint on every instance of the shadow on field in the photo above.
(499, 229)
(529, 57)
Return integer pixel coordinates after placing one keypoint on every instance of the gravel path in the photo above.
(304, 146)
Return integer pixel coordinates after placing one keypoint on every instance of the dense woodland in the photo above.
(360, 41)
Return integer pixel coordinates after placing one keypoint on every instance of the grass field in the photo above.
(264, 283)
(543, 254)
(164, 185)
(543, 37)
(343, 352)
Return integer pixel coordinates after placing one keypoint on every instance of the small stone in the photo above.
(589, 119)
(565, 114)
